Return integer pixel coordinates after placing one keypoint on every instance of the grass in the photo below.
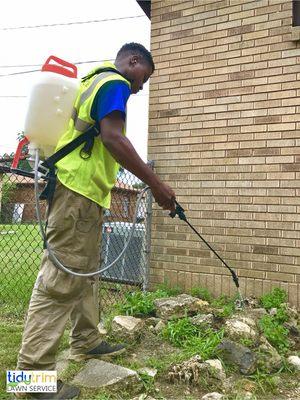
(192, 339)
(10, 339)
(20, 253)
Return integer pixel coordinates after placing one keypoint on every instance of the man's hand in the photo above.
(164, 196)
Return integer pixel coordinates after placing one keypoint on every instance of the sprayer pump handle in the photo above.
(61, 67)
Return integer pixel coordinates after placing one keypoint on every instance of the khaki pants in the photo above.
(74, 235)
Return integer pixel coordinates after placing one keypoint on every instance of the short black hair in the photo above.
(136, 48)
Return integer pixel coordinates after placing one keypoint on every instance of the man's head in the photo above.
(135, 62)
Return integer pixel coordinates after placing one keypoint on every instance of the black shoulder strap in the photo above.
(61, 153)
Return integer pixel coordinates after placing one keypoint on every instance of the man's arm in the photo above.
(111, 128)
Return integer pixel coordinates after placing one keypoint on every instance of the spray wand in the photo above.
(180, 212)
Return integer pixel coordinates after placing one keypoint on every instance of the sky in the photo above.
(74, 42)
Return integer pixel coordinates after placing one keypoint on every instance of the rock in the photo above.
(152, 372)
(245, 385)
(127, 328)
(202, 320)
(273, 311)
(239, 355)
(101, 329)
(159, 327)
(143, 396)
(179, 306)
(293, 329)
(268, 359)
(188, 371)
(251, 302)
(152, 321)
(257, 313)
(218, 368)
(100, 374)
(213, 396)
(294, 361)
(237, 329)
(248, 396)
(245, 319)
(62, 362)
(194, 369)
(292, 312)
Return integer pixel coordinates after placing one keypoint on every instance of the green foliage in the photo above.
(162, 363)
(103, 396)
(192, 339)
(226, 305)
(205, 344)
(168, 289)
(274, 299)
(7, 189)
(179, 331)
(10, 338)
(265, 382)
(246, 342)
(201, 293)
(274, 331)
(141, 303)
(19, 268)
(147, 381)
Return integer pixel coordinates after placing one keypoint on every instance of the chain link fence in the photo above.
(21, 245)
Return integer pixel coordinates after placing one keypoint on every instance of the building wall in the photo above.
(224, 133)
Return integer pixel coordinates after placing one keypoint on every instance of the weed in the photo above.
(148, 382)
(141, 303)
(72, 369)
(247, 342)
(239, 396)
(226, 305)
(265, 382)
(103, 396)
(168, 289)
(274, 299)
(201, 293)
(191, 338)
(204, 344)
(275, 332)
(179, 331)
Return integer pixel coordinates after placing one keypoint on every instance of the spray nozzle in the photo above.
(178, 211)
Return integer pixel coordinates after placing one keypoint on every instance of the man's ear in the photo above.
(134, 60)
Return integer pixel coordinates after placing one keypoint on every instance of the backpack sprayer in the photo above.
(49, 111)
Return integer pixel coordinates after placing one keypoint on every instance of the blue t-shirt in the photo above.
(112, 96)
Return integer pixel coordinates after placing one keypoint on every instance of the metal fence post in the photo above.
(148, 235)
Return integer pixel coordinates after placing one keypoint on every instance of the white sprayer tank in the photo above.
(50, 105)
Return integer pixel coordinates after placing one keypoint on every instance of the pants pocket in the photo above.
(61, 285)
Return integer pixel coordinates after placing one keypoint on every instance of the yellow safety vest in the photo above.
(92, 177)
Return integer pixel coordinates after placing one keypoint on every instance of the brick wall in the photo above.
(224, 133)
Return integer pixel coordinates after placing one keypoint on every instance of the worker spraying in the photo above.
(78, 189)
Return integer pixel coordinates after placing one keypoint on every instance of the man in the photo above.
(85, 179)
